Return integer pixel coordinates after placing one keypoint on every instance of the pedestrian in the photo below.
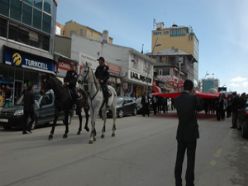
(234, 107)
(28, 108)
(145, 105)
(187, 105)
(102, 75)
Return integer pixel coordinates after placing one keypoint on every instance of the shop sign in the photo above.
(139, 78)
(25, 60)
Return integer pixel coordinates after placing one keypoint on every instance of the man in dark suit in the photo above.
(28, 100)
(187, 105)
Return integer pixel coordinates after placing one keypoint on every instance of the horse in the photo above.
(90, 84)
(64, 102)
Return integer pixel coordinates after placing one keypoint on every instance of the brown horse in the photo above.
(65, 103)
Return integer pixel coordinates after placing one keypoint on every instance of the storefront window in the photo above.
(4, 8)
(46, 26)
(26, 14)
(15, 9)
(37, 19)
(47, 6)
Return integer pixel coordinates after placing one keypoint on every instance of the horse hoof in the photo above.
(65, 136)
(90, 142)
(94, 139)
(50, 137)
(102, 136)
(87, 129)
(79, 132)
(113, 135)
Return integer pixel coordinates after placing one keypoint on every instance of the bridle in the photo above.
(85, 83)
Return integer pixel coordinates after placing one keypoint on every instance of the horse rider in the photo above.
(102, 75)
(70, 81)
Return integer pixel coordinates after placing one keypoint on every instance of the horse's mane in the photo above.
(92, 76)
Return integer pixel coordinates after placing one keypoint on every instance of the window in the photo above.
(3, 27)
(26, 14)
(46, 26)
(37, 19)
(135, 62)
(4, 8)
(160, 72)
(38, 4)
(15, 9)
(45, 43)
(47, 6)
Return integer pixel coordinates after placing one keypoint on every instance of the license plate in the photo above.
(4, 120)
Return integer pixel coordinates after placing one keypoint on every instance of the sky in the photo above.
(221, 27)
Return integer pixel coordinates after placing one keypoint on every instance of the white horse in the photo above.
(90, 84)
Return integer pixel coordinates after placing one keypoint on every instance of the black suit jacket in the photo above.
(187, 106)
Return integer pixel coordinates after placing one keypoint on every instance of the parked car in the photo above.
(12, 116)
(242, 122)
(125, 106)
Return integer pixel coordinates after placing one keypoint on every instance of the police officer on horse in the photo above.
(102, 75)
(70, 81)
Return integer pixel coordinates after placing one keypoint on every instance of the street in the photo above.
(142, 154)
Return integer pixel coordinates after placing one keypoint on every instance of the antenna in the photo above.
(154, 23)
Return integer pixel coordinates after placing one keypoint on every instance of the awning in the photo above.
(202, 95)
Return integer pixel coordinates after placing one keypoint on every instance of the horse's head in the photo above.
(85, 76)
(47, 82)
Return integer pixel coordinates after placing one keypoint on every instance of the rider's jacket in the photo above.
(71, 79)
(102, 73)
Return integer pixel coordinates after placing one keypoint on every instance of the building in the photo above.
(210, 85)
(176, 38)
(27, 31)
(131, 72)
(72, 27)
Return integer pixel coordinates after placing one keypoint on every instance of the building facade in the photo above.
(26, 44)
(72, 27)
(132, 72)
(178, 38)
(210, 85)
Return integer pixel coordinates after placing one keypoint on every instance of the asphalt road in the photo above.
(142, 154)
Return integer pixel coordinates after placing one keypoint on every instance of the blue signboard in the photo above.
(25, 60)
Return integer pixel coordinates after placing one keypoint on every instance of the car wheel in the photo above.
(6, 126)
(120, 113)
(135, 112)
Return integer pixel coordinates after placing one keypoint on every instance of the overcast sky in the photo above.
(220, 25)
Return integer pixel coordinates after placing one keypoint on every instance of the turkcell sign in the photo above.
(25, 60)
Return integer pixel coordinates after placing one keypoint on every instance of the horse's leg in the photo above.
(66, 124)
(79, 113)
(114, 120)
(93, 130)
(104, 117)
(54, 125)
(86, 111)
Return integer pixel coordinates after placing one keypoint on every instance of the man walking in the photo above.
(187, 106)
(28, 100)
